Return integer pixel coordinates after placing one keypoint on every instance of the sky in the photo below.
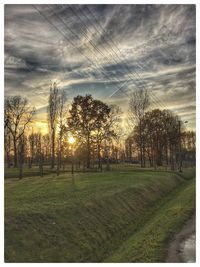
(108, 51)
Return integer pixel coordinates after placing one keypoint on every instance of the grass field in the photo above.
(30, 172)
(124, 215)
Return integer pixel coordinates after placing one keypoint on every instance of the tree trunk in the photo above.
(8, 158)
(21, 171)
(99, 158)
(171, 158)
(53, 150)
(21, 157)
(149, 156)
(107, 164)
(107, 159)
(166, 155)
(58, 165)
(141, 146)
(143, 155)
(60, 158)
(41, 165)
(154, 160)
(88, 153)
(15, 152)
(29, 162)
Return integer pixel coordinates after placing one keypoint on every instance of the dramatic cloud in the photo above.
(99, 49)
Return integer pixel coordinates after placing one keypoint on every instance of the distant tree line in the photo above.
(157, 137)
(92, 123)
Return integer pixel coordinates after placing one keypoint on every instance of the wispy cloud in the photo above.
(94, 49)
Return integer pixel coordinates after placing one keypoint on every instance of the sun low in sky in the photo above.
(71, 140)
(104, 50)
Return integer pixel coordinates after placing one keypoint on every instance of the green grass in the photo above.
(30, 172)
(150, 242)
(95, 217)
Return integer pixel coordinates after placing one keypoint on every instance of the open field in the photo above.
(124, 215)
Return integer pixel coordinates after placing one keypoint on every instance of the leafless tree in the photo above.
(106, 130)
(40, 153)
(46, 140)
(61, 120)
(31, 145)
(52, 119)
(160, 130)
(7, 147)
(139, 102)
(17, 115)
(21, 154)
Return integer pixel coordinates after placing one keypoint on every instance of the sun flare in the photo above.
(71, 140)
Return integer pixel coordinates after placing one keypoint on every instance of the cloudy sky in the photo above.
(105, 50)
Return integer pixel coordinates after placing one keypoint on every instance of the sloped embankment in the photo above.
(54, 220)
(150, 242)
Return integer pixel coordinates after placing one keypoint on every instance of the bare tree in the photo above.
(21, 154)
(139, 102)
(52, 118)
(17, 115)
(31, 143)
(61, 119)
(106, 129)
(7, 147)
(161, 134)
(40, 153)
(46, 140)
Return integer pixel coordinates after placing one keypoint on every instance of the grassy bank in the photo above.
(150, 242)
(92, 217)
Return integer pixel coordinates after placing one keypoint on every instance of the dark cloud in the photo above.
(96, 48)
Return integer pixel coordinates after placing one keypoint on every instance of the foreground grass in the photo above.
(90, 217)
(150, 242)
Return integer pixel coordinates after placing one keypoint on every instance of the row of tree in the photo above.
(92, 123)
(157, 136)
(160, 140)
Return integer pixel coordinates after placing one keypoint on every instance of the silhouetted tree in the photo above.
(90, 121)
(7, 146)
(21, 154)
(52, 118)
(139, 102)
(106, 127)
(17, 115)
(160, 130)
(61, 120)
